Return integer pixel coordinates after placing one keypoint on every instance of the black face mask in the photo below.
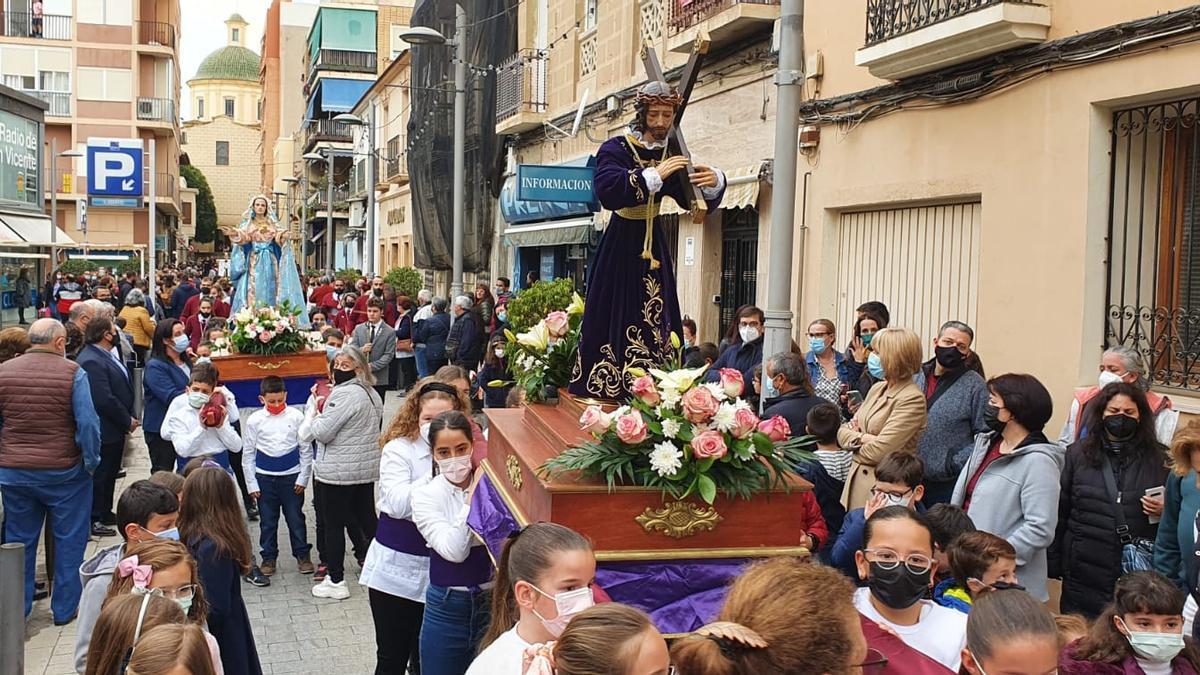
(1120, 427)
(897, 588)
(1005, 586)
(991, 417)
(378, 292)
(340, 376)
(948, 357)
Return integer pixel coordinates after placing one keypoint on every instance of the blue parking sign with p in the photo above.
(114, 167)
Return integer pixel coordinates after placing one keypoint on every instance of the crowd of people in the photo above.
(940, 509)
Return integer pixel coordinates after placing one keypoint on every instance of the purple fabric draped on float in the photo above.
(680, 595)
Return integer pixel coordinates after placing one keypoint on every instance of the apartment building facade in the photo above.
(1029, 168)
(106, 69)
(588, 54)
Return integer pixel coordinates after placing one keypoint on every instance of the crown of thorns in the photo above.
(669, 97)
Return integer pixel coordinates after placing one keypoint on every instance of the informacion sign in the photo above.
(541, 183)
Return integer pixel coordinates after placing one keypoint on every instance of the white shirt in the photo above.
(183, 429)
(440, 511)
(502, 657)
(423, 312)
(274, 435)
(404, 465)
(836, 462)
(940, 634)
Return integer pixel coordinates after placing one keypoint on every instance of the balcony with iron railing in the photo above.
(318, 199)
(156, 110)
(343, 61)
(323, 130)
(59, 101)
(395, 168)
(29, 25)
(521, 92)
(156, 34)
(724, 21)
(911, 37)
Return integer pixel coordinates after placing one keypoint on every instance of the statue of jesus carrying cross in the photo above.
(632, 304)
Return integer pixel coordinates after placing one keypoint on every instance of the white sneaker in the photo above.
(328, 589)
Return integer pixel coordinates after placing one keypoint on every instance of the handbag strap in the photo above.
(1110, 484)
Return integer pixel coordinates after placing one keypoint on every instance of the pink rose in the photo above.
(699, 405)
(709, 444)
(776, 428)
(594, 421)
(731, 382)
(631, 428)
(266, 336)
(644, 389)
(744, 423)
(558, 324)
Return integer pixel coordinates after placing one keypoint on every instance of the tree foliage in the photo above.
(206, 208)
(75, 267)
(406, 280)
(534, 303)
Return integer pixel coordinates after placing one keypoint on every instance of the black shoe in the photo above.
(99, 529)
(256, 577)
(252, 512)
(40, 590)
(63, 623)
(109, 520)
(121, 473)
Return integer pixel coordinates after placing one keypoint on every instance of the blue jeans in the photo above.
(422, 364)
(454, 623)
(278, 493)
(69, 506)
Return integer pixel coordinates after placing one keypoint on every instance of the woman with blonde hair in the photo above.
(123, 619)
(1176, 539)
(892, 416)
(171, 650)
(608, 639)
(13, 343)
(758, 629)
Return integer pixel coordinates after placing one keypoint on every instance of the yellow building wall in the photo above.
(232, 185)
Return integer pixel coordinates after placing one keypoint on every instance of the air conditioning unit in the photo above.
(145, 108)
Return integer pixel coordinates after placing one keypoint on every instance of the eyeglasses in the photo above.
(875, 492)
(889, 560)
(876, 662)
(184, 592)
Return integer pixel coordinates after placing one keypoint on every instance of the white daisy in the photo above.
(671, 428)
(725, 418)
(670, 398)
(716, 390)
(665, 458)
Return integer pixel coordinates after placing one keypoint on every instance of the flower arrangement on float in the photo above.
(267, 330)
(542, 358)
(686, 437)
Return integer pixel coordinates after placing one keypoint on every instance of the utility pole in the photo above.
(153, 226)
(789, 82)
(304, 231)
(460, 146)
(53, 204)
(370, 265)
(330, 245)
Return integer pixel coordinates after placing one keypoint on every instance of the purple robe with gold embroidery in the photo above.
(631, 309)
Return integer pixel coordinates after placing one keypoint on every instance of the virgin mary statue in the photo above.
(262, 266)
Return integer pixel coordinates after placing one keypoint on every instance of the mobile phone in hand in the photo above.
(855, 397)
(1155, 492)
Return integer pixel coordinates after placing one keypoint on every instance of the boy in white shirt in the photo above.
(277, 467)
(198, 429)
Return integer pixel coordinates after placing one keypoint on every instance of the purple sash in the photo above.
(472, 573)
(401, 535)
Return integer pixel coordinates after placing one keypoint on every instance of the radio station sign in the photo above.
(19, 162)
(542, 183)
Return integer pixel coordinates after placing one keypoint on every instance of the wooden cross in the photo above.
(675, 142)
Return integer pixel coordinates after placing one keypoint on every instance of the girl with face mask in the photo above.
(495, 370)
(1141, 631)
(897, 564)
(458, 600)
(544, 578)
(1010, 633)
(396, 571)
(1121, 460)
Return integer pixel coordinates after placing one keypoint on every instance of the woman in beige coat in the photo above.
(891, 418)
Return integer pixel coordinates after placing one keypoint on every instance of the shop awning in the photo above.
(32, 230)
(551, 233)
(339, 95)
(741, 190)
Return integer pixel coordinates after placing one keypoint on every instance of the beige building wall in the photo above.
(233, 184)
(245, 97)
(1035, 156)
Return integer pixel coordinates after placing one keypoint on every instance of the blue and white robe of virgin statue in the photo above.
(264, 274)
(632, 303)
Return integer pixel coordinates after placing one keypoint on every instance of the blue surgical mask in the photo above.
(875, 366)
(181, 343)
(203, 359)
(185, 604)
(817, 345)
(172, 534)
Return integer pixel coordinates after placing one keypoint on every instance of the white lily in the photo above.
(576, 306)
(680, 380)
(537, 338)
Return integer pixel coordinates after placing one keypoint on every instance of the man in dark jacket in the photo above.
(789, 374)
(432, 332)
(748, 353)
(182, 293)
(112, 395)
(955, 396)
(464, 334)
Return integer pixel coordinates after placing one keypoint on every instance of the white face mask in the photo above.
(748, 333)
(455, 469)
(1108, 377)
(425, 433)
(568, 604)
(499, 353)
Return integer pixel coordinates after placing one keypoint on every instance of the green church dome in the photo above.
(229, 63)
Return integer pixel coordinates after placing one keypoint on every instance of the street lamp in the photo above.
(54, 155)
(369, 130)
(329, 244)
(278, 202)
(420, 35)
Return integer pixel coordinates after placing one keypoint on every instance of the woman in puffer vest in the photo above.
(346, 463)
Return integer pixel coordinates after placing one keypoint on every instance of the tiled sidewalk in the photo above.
(294, 632)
